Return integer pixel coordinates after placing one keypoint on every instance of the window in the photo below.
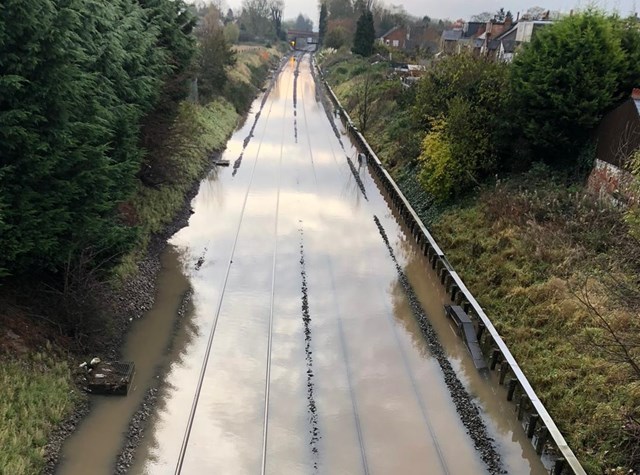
(396, 43)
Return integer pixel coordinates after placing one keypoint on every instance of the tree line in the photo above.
(78, 79)
(472, 117)
(88, 93)
(347, 23)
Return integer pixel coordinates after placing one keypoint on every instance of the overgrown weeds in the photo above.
(198, 132)
(36, 393)
(555, 269)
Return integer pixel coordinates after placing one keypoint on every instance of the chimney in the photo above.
(635, 94)
(508, 21)
(518, 17)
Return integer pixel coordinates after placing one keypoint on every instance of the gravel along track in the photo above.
(309, 350)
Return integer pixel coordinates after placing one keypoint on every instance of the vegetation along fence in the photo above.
(540, 428)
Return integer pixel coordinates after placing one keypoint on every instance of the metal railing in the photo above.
(539, 427)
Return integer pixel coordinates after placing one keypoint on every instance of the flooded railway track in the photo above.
(302, 352)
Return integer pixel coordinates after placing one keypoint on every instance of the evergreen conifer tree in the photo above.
(565, 79)
(322, 24)
(365, 35)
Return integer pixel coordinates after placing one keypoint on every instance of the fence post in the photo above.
(504, 369)
(541, 440)
(531, 425)
(513, 382)
(524, 399)
(558, 466)
(495, 354)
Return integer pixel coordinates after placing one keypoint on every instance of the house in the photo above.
(473, 29)
(521, 32)
(617, 139)
(423, 37)
(507, 45)
(493, 30)
(412, 38)
(462, 38)
(396, 37)
(449, 41)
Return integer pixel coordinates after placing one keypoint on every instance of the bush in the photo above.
(77, 80)
(337, 37)
(564, 80)
(440, 172)
(464, 106)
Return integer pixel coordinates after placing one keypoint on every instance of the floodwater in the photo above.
(314, 360)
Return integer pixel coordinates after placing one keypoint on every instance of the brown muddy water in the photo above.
(316, 362)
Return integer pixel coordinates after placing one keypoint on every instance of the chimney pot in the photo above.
(635, 94)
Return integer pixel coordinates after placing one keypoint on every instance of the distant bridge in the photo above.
(295, 35)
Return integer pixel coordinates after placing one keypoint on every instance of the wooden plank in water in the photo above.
(468, 333)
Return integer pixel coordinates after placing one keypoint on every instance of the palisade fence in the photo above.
(538, 425)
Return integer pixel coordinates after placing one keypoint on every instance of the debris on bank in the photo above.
(108, 378)
(221, 163)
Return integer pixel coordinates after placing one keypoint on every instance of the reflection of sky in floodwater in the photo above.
(380, 396)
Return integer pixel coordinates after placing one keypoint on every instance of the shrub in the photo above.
(564, 80)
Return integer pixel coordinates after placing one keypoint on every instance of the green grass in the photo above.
(200, 130)
(523, 248)
(36, 393)
(389, 130)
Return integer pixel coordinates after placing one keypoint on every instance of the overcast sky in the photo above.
(454, 9)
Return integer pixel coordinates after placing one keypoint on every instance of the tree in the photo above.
(229, 18)
(339, 9)
(564, 80)
(322, 23)
(77, 80)
(215, 56)
(337, 36)
(176, 23)
(508, 17)
(482, 17)
(256, 18)
(628, 31)
(361, 6)
(303, 23)
(364, 102)
(365, 35)
(535, 13)
(459, 150)
(231, 33)
(276, 8)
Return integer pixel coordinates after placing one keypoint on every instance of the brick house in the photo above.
(396, 37)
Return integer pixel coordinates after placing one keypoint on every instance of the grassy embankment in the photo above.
(546, 261)
(37, 391)
(199, 130)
